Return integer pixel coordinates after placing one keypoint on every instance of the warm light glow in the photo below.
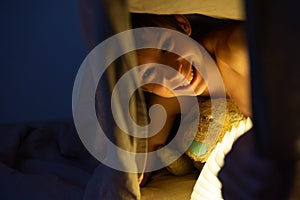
(208, 186)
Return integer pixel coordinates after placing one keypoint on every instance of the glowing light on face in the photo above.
(192, 62)
(175, 78)
(186, 78)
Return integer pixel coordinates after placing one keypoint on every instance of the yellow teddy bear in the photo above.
(215, 120)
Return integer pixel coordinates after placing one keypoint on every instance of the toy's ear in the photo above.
(184, 23)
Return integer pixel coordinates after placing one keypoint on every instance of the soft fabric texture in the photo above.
(43, 161)
(226, 115)
(260, 165)
(165, 186)
(48, 161)
(230, 9)
(208, 186)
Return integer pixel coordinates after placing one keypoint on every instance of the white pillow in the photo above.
(230, 9)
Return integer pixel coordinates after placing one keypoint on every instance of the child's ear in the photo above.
(184, 23)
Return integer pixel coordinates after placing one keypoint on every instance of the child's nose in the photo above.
(178, 66)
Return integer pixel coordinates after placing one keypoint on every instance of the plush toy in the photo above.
(211, 130)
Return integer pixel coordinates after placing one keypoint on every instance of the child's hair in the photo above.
(152, 20)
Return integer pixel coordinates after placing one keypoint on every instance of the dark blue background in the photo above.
(41, 50)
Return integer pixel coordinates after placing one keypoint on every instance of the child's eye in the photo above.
(166, 46)
(164, 51)
(148, 73)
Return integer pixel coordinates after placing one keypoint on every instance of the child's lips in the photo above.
(190, 77)
(195, 82)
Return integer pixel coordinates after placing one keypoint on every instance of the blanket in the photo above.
(47, 161)
(43, 161)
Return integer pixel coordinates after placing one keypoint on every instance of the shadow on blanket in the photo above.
(43, 161)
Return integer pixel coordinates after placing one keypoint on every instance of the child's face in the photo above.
(180, 74)
(188, 77)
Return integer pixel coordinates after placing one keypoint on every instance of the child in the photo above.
(226, 45)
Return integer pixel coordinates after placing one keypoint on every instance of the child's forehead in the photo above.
(147, 55)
